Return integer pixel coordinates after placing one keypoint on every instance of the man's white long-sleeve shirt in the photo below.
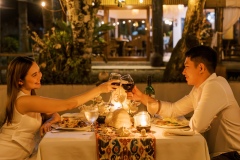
(216, 112)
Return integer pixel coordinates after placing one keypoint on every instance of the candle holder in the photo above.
(142, 120)
(147, 128)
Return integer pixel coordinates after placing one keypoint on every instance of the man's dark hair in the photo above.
(205, 55)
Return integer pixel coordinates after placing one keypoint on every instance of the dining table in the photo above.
(82, 145)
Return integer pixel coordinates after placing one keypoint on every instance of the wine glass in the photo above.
(91, 113)
(152, 106)
(115, 76)
(127, 82)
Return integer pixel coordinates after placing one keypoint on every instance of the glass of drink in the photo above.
(152, 106)
(127, 82)
(91, 113)
(115, 76)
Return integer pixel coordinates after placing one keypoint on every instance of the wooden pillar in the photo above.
(219, 28)
(157, 33)
(149, 45)
(221, 69)
(23, 23)
(107, 35)
(47, 16)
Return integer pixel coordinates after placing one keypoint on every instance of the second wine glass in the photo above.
(91, 114)
(127, 82)
(115, 76)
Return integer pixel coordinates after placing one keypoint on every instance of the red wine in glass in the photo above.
(128, 86)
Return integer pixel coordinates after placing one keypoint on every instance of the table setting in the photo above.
(117, 130)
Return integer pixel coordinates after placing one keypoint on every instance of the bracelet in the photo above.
(158, 107)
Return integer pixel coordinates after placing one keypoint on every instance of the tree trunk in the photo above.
(81, 15)
(156, 58)
(47, 16)
(23, 23)
(190, 38)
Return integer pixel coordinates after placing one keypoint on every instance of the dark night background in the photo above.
(9, 17)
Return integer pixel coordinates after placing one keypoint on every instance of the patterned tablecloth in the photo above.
(110, 146)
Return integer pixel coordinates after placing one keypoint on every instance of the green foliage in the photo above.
(9, 44)
(56, 59)
(98, 41)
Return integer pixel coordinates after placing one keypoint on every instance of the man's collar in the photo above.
(212, 76)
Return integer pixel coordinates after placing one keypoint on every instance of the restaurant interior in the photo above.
(132, 37)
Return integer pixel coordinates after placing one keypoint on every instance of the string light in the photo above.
(43, 4)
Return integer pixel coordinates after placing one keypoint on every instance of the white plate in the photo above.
(57, 127)
(182, 122)
(169, 127)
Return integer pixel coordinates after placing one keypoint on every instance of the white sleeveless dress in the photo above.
(17, 141)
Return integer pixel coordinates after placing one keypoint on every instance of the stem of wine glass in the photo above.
(92, 127)
(110, 99)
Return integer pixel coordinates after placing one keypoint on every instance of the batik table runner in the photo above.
(133, 147)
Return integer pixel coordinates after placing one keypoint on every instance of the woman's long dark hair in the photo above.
(17, 70)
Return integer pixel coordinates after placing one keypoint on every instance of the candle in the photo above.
(143, 120)
(143, 123)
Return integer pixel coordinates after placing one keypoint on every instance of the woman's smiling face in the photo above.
(32, 79)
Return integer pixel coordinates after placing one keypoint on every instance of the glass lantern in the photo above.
(142, 120)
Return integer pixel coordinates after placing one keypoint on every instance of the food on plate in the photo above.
(72, 120)
(74, 123)
(171, 122)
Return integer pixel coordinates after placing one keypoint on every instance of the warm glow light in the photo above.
(142, 119)
(43, 4)
(135, 11)
(168, 22)
(102, 22)
(114, 24)
(140, 1)
(164, 6)
(129, 21)
(123, 22)
(180, 7)
(135, 24)
(116, 105)
(143, 122)
(143, 21)
(117, 23)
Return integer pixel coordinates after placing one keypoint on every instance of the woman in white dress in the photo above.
(24, 108)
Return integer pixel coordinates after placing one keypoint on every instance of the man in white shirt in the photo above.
(216, 111)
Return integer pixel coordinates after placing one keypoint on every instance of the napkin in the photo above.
(179, 132)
